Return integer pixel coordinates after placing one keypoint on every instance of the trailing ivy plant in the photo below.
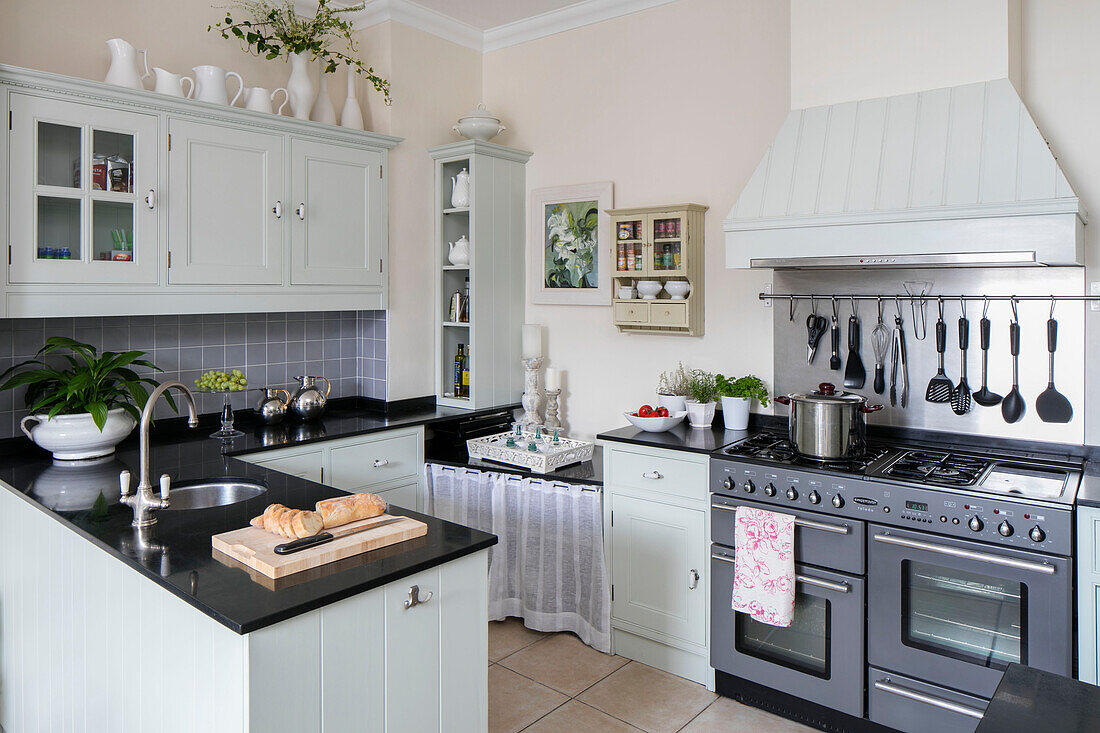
(748, 387)
(272, 30)
(93, 382)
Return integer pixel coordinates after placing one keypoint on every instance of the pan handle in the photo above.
(783, 399)
(870, 408)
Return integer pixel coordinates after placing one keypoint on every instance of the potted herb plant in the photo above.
(702, 390)
(672, 388)
(82, 403)
(737, 396)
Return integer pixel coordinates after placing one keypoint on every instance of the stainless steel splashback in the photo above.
(793, 374)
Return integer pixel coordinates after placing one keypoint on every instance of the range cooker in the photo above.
(922, 572)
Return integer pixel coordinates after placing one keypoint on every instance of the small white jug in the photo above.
(124, 71)
(459, 253)
(210, 84)
(258, 99)
(172, 84)
(460, 190)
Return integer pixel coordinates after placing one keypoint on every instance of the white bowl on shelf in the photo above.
(648, 289)
(678, 289)
(627, 293)
(656, 424)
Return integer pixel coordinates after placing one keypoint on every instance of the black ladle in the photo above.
(1052, 405)
(1013, 406)
(985, 396)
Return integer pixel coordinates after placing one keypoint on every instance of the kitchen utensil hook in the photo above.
(1053, 300)
(878, 302)
(962, 306)
(939, 301)
(853, 304)
(790, 305)
(813, 305)
(836, 311)
(897, 302)
(985, 308)
(1015, 316)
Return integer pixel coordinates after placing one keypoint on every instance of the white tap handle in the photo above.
(164, 483)
(124, 482)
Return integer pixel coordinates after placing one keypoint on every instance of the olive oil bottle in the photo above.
(460, 361)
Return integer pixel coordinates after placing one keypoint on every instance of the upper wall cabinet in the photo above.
(121, 202)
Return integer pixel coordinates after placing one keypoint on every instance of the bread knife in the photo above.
(322, 538)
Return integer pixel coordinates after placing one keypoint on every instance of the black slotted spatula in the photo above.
(855, 374)
(940, 387)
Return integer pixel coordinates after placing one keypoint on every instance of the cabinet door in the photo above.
(630, 258)
(83, 193)
(225, 213)
(412, 655)
(667, 234)
(402, 496)
(305, 465)
(336, 216)
(658, 563)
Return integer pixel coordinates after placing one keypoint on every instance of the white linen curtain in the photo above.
(548, 566)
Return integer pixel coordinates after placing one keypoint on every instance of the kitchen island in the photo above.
(103, 627)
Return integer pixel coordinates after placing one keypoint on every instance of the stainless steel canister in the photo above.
(828, 425)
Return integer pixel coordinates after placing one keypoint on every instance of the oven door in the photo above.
(819, 657)
(956, 613)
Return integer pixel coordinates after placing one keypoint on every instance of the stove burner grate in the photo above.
(938, 468)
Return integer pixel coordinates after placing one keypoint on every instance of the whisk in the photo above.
(880, 338)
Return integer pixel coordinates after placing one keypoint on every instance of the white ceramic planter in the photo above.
(674, 403)
(735, 412)
(700, 414)
(76, 437)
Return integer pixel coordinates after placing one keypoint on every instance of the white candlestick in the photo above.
(552, 380)
(532, 341)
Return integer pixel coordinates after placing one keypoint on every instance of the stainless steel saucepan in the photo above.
(828, 425)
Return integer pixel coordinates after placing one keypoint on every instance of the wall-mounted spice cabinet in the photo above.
(662, 244)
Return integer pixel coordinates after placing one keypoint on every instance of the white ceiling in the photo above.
(486, 14)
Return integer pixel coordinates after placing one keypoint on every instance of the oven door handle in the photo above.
(798, 521)
(887, 686)
(799, 578)
(1008, 562)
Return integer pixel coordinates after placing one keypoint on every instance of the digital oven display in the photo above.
(916, 506)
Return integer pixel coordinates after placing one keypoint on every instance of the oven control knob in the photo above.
(792, 493)
(1004, 529)
(769, 490)
(1037, 534)
(749, 487)
(975, 524)
(814, 497)
(728, 483)
(838, 500)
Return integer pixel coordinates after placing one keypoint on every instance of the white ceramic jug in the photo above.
(124, 71)
(460, 189)
(210, 84)
(459, 253)
(259, 99)
(172, 84)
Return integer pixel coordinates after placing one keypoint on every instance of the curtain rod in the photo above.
(926, 297)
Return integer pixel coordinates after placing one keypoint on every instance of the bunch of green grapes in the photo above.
(215, 381)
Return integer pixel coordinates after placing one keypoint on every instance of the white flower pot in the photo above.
(76, 437)
(735, 412)
(700, 414)
(674, 403)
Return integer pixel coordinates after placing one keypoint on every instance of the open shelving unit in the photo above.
(494, 224)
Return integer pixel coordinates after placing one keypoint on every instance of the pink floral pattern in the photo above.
(763, 581)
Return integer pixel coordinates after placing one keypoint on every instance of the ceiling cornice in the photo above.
(419, 17)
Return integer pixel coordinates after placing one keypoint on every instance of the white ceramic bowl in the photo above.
(478, 124)
(678, 289)
(648, 289)
(75, 437)
(656, 424)
(627, 293)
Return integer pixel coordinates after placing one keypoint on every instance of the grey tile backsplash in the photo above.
(347, 347)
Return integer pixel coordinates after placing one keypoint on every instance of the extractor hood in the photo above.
(951, 177)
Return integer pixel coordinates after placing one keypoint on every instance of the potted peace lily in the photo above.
(82, 402)
(672, 388)
(702, 390)
(737, 396)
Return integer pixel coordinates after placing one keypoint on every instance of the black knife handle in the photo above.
(1052, 335)
(880, 378)
(941, 336)
(985, 334)
(288, 548)
(964, 334)
(1014, 338)
(853, 333)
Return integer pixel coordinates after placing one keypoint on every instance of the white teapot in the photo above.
(459, 253)
(460, 190)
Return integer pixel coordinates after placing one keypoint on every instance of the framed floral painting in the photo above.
(568, 244)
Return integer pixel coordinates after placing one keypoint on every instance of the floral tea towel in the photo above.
(763, 584)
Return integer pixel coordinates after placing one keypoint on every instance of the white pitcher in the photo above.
(459, 253)
(172, 84)
(124, 71)
(460, 189)
(258, 99)
(210, 84)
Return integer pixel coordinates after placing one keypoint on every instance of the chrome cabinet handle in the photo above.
(151, 199)
(799, 578)
(379, 462)
(804, 523)
(887, 686)
(1008, 562)
(277, 209)
(694, 582)
(301, 211)
(415, 599)
(654, 475)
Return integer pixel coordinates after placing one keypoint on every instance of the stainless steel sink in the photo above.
(219, 492)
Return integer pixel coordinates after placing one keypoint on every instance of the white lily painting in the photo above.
(570, 246)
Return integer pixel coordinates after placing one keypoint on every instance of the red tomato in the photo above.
(645, 411)
(661, 412)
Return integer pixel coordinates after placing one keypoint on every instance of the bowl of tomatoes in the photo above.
(654, 419)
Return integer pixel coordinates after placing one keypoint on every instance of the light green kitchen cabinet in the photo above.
(1088, 593)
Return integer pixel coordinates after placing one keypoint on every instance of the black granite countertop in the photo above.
(1029, 700)
(176, 552)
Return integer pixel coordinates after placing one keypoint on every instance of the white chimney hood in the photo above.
(950, 177)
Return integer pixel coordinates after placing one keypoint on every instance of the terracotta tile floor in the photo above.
(548, 683)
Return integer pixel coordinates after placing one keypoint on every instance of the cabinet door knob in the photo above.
(151, 199)
(693, 583)
(415, 598)
(277, 209)
(655, 475)
(379, 462)
(301, 211)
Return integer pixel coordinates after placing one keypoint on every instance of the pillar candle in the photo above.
(553, 379)
(532, 341)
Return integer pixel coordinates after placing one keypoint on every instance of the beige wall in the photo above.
(673, 104)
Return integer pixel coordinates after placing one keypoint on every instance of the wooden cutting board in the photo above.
(255, 547)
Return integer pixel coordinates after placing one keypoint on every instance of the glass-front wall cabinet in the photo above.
(84, 199)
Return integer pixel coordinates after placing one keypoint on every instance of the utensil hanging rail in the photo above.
(927, 297)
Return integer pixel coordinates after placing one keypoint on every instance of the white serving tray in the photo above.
(546, 459)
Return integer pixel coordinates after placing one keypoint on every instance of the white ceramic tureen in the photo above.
(478, 124)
